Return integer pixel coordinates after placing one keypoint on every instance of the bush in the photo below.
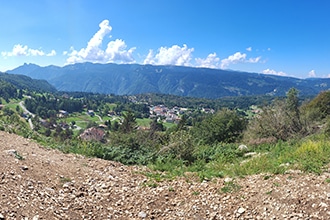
(181, 146)
(225, 126)
(313, 155)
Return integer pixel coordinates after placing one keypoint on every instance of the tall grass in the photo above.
(308, 155)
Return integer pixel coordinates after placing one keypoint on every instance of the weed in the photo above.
(312, 155)
(65, 179)
(327, 180)
(196, 193)
(230, 187)
(277, 184)
(267, 177)
(269, 192)
(150, 184)
(18, 156)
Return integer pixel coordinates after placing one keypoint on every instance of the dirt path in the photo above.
(40, 183)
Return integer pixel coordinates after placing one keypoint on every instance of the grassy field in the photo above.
(145, 122)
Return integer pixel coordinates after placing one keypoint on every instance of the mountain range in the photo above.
(128, 79)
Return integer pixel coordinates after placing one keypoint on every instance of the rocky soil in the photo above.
(39, 183)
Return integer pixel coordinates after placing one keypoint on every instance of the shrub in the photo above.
(225, 126)
(312, 155)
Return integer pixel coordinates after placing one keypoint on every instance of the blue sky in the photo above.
(282, 37)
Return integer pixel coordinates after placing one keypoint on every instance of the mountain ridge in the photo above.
(21, 81)
(130, 79)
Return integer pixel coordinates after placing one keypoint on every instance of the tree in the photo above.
(319, 107)
(20, 94)
(279, 121)
(181, 146)
(115, 126)
(156, 126)
(182, 123)
(292, 109)
(224, 126)
(73, 123)
(129, 122)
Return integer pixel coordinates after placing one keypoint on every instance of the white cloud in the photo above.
(238, 57)
(254, 60)
(312, 73)
(20, 50)
(249, 49)
(273, 72)
(232, 59)
(174, 55)
(115, 51)
(52, 53)
(211, 61)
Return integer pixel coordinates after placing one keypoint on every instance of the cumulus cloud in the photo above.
(249, 49)
(273, 72)
(312, 73)
(175, 55)
(238, 57)
(115, 51)
(20, 50)
(211, 61)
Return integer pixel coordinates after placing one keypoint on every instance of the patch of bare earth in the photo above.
(40, 183)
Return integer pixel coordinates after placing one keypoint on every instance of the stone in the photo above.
(12, 152)
(322, 204)
(241, 210)
(142, 214)
(242, 147)
(2, 217)
(228, 179)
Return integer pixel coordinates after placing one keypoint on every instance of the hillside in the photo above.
(123, 79)
(25, 82)
(40, 183)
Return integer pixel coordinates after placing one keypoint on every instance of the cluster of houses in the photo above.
(170, 115)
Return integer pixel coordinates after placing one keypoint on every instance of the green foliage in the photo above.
(225, 126)
(181, 146)
(279, 121)
(311, 156)
(203, 147)
(47, 105)
(319, 107)
(129, 122)
(18, 156)
(27, 83)
(230, 187)
(11, 122)
(7, 90)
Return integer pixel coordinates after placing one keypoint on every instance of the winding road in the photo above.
(21, 104)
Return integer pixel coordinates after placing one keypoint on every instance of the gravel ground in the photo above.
(39, 183)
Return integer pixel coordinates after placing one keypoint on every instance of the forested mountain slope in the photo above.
(129, 79)
(25, 82)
